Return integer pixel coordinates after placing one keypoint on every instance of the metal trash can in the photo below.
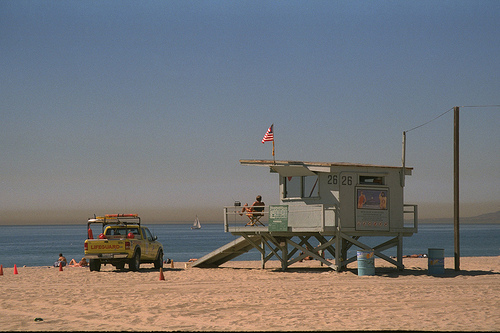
(366, 262)
(435, 261)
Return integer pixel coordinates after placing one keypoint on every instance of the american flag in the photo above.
(269, 136)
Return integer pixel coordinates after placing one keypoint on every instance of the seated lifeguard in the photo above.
(254, 212)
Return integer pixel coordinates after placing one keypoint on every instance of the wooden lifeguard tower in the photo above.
(336, 205)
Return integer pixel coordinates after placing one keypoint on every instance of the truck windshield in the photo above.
(121, 231)
(115, 232)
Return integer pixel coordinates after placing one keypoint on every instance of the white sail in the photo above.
(196, 224)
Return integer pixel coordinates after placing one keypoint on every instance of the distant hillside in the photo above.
(483, 218)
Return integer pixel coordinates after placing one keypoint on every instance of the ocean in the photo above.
(40, 245)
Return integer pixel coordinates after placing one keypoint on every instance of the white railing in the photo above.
(236, 216)
(309, 217)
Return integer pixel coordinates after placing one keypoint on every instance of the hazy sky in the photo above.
(148, 106)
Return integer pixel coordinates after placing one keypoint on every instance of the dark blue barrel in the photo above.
(436, 261)
(366, 264)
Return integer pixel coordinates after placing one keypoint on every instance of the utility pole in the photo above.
(456, 207)
(403, 160)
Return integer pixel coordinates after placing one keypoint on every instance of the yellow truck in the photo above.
(122, 241)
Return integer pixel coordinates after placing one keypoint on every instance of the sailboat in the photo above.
(196, 224)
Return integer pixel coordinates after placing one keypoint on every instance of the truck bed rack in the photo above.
(115, 219)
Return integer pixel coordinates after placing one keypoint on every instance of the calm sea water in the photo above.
(40, 245)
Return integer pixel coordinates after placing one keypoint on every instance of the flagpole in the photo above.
(274, 158)
(274, 138)
(269, 136)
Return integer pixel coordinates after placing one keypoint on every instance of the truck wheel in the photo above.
(159, 260)
(135, 262)
(95, 265)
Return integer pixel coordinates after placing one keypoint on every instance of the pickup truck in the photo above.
(122, 241)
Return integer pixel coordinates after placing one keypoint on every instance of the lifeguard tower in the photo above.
(325, 208)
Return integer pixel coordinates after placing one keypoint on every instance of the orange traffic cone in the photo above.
(60, 267)
(1, 269)
(162, 277)
(15, 269)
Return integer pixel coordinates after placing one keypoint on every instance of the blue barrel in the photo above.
(436, 261)
(366, 264)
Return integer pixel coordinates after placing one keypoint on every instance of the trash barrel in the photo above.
(366, 264)
(435, 261)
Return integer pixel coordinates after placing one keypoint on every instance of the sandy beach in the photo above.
(240, 296)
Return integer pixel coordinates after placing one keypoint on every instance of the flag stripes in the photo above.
(269, 136)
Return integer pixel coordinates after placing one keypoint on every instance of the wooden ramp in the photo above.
(226, 252)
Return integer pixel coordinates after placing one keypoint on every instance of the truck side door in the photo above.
(148, 243)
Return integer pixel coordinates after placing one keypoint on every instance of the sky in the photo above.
(147, 106)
